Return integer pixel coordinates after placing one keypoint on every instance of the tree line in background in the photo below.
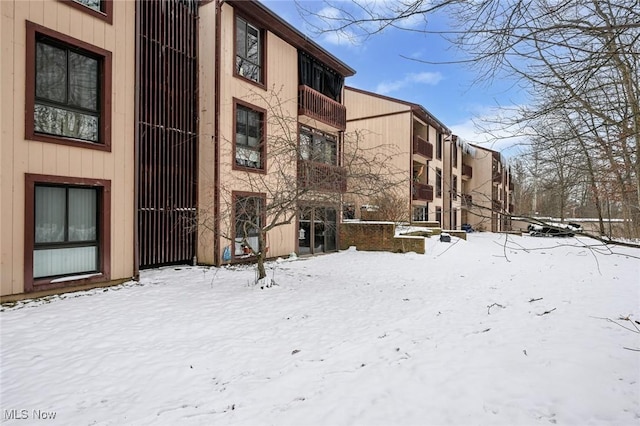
(578, 60)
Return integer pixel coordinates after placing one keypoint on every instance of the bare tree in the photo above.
(577, 58)
(300, 170)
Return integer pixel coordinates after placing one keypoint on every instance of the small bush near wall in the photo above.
(377, 236)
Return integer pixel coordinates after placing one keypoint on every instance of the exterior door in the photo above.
(317, 228)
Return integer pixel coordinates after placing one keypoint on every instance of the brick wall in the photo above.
(380, 236)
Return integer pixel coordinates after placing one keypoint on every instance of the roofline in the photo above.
(274, 23)
(417, 109)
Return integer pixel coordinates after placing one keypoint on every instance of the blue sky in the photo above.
(447, 91)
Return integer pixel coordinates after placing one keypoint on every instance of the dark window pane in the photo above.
(305, 146)
(82, 214)
(50, 208)
(83, 81)
(51, 73)
(241, 36)
(61, 122)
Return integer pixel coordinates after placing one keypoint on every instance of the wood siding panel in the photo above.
(206, 151)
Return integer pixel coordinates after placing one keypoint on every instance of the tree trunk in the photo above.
(261, 255)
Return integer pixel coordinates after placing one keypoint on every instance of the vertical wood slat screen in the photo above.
(167, 128)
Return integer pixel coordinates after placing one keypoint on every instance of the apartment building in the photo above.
(423, 149)
(487, 190)
(66, 151)
(138, 133)
(275, 112)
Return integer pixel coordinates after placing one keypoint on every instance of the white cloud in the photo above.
(486, 129)
(429, 78)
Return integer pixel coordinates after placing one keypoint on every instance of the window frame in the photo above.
(438, 183)
(105, 13)
(235, 195)
(439, 146)
(105, 86)
(262, 49)
(263, 137)
(103, 209)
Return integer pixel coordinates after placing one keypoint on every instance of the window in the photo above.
(439, 146)
(454, 187)
(67, 237)
(318, 146)
(249, 55)
(420, 214)
(249, 137)
(439, 215)
(249, 219)
(438, 182)
(69, 100)
(101, 9)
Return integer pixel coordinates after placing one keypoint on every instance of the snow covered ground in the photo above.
(474, 332)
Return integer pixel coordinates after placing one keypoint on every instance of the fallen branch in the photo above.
(631, 349)
(635, 328)
(491, 306)
(535, 300)
(546, 312)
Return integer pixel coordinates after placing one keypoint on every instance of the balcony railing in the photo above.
(467, 201)
(422, 147)
(321, 177)
(320, 107)
(422, 192)
(467, 171)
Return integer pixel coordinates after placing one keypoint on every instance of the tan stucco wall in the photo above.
(19, 156)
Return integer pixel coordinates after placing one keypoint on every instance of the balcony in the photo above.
(496, 206)
(467, 201)
(497, 177)
(321, 177)
(422, 192)
(467, 171)
(422, 147)
(322, 108)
